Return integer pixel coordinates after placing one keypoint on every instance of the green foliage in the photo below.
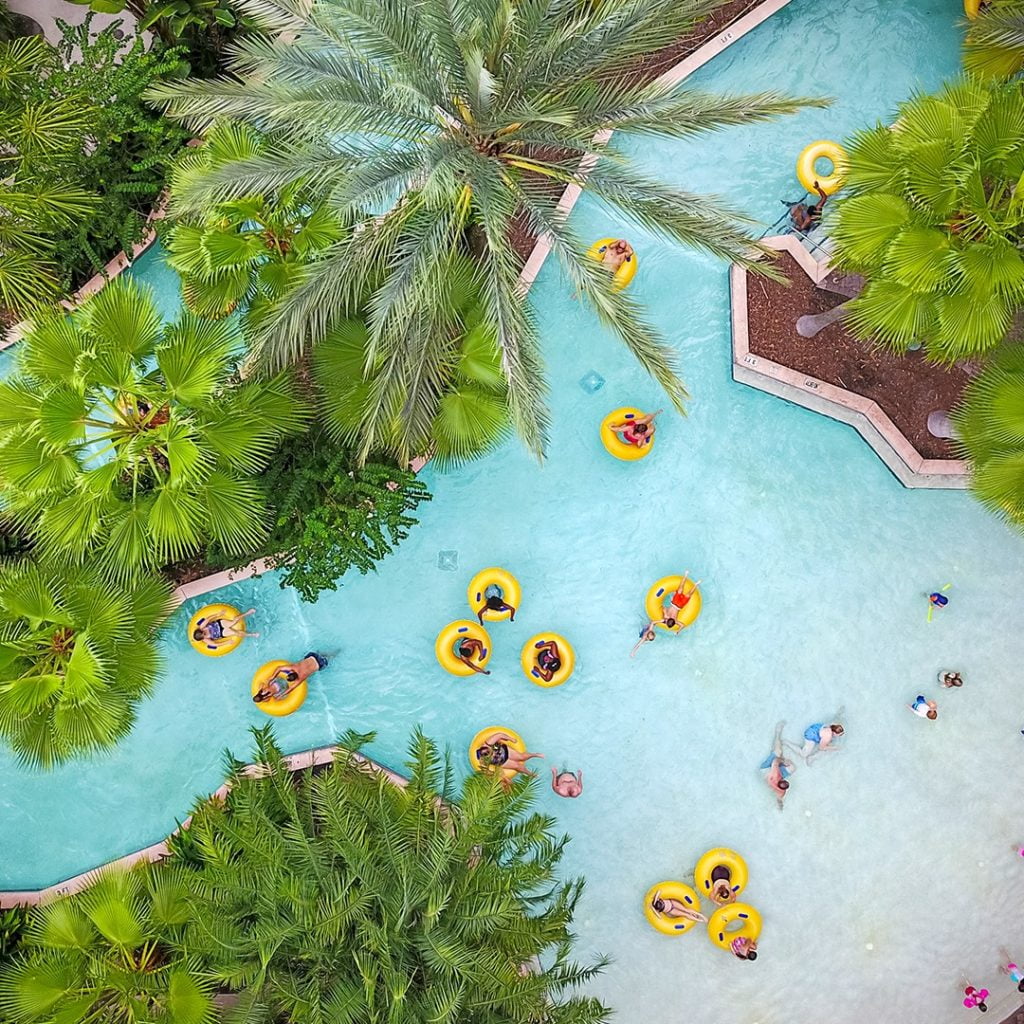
(464, 418)
(330, 515)
(77, 654)
(204, 27)
(133, 441)
(12, 928)
(935, 218)
(123, 152)
(14, 543)
(339, 897)
(994, 47)
(249, 251)
(990, 433)
(109, 954)
(41, 197)
(454, 126)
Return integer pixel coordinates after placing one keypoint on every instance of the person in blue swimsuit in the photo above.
(648, 636)
(818, 738)
(217, 631)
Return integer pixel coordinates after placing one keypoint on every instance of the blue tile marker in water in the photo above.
(592, 382)
(448, 561)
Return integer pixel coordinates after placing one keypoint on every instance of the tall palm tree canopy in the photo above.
(935, 220)
(133, 440)
(76, 656)
(449, 124)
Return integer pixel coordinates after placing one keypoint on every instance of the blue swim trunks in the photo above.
(813, 732)
(767, 763)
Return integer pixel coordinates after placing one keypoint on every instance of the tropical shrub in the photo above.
(122, 153)
(134, 441)
(342, 897)
(108, 954)
(248, 251)
(40, 196)
(935, 221)
(990, 433)
(994, 47)
(449, 124)
(77, 654)
(331, 516)
(461, 416)
(205, 27)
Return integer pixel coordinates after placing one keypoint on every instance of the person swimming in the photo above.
(924, 708)
(1016, 973)
(818, 738)
(805, 216)
(566, 783)
(647, 636)
(950, 679)
(778, 767)
(743, 948)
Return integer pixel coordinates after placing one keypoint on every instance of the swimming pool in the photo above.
(890, 870)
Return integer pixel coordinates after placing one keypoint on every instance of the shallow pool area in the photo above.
(889, 872)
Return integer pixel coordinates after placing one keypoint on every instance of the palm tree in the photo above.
(132, 440)
(463, 417)
(454, 126)
(994, 47)
(341, 897)
(108, 954)
(77, 654)
(935, 221)
(990, 433)
(36, 202)
(249, 250)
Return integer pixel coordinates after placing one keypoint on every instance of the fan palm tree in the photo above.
(465, 418)
(455, 126)
(108, 954)
(36, 201)
(990, 433)
(132, 440)
(249, 250)
(935, 221)
(76, 656)
(340, 897)
(994, 47)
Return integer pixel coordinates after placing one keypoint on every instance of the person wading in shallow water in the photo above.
(804, 216)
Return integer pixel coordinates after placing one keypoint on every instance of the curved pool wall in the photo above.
(891, 871)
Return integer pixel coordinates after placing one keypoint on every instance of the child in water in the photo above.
(568, 784)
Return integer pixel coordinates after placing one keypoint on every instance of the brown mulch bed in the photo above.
(1017, 1017)
(647, 68)
(907, 387)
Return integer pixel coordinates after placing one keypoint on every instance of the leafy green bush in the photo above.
(331, 516)
(120, 153)
(934, 220)
(339, 897)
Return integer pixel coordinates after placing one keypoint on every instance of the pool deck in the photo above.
(861, 413)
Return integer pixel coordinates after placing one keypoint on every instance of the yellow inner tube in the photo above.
(515, 742)
(512, 593)
(654, 603)
(566, 655)
(210, 613)
(720, 857)
(672, 891)
(614, 444)
(626, 272)
(444, 648)
(277, 708)
(718, 925)
(809, 155)
(971, 8)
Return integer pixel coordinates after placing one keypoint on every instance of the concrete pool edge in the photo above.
(705, 52)
(857, 411)
(157, 851)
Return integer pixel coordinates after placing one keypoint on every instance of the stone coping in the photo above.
(863, 414)
(157, 851)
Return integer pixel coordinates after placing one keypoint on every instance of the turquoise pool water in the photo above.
(890, 870)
